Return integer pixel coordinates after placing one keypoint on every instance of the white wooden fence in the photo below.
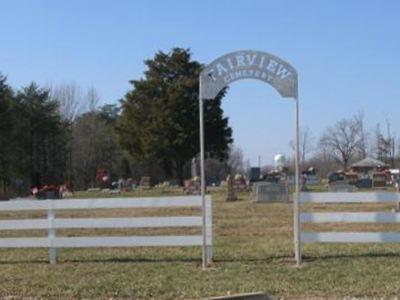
(350, 217)
(51, 223)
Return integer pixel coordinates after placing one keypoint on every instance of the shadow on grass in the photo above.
(106, 260)
(21, 262)
(136, 260)
(150, 260)
(251, 259)
(307, 258)
(266, 259)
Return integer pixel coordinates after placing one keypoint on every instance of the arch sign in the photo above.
(250, 65)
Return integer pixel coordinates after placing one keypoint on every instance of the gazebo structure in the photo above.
(369, 165)
(370, 172)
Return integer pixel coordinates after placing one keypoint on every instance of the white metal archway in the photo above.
(262, 66)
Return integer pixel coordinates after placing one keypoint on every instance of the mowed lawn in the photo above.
(253, 252)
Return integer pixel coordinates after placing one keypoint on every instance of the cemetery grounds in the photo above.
(253, 251)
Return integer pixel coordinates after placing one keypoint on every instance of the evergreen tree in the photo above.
(42, 135)
(94, 147)
(7, 141)
(159, 124)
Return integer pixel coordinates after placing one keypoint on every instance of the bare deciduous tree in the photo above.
(235, 160)
(385, 145)
(343, 141)
(73, 103)
(70, 99)
(306, 145)
(323, 161)
(364, 137)
(92, 100)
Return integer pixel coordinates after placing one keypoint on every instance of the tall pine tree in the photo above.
(159, 124)
(7, 140)
(42, 136)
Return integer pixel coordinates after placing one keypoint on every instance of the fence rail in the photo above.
(51, 223)
(350, 237)
(101, 241)
(178, 201)
(352, 197)
(349, 217)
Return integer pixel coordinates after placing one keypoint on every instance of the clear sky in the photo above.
(346, 54)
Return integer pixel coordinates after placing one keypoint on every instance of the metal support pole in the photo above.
(51, 233)
(202, 175)
(296, 217)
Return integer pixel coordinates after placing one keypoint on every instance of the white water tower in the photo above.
(280, 161)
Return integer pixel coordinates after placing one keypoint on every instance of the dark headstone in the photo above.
(192, 187)
(364, 183)
(255, 174)
(270, 192)
(341, 187)
(313, 180)
(231, 196)
(145, 182)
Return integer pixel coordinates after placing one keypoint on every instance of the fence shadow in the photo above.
(105, 260)
(143, 260)
(252, 259)
(198, 260)
(309, 258)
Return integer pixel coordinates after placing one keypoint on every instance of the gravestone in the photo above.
(192, 186)
(290, 181)
(341, 186)
(255, 174)
(145, 182)
(313, 180)
(270, 192)
(231, 191)
(240, 184)
(364, 183)
(193, 168)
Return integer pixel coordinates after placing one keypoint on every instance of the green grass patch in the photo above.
(253, 252)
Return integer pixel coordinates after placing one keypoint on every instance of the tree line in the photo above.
(60, 134)
(346, 142)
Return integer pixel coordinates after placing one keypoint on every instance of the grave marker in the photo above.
(342, 186)
(231, 191)
(270, 192)
(145, 182)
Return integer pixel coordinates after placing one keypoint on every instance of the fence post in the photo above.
(51, 233)
(209, 230)
(296, 204)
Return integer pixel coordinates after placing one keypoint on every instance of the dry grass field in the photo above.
(253, 252)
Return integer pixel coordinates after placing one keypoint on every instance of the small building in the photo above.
(369, 165)
(370, 173)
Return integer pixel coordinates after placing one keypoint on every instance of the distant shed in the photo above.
(369, 165)
(370, 172)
